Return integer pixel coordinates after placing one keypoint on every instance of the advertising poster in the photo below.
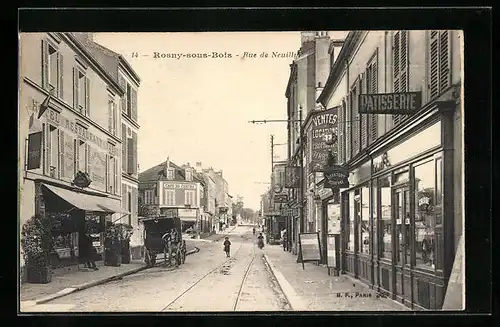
(324, 125)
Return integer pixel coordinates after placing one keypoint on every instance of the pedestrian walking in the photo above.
(89, 253)
(227, 247)
(284, 241)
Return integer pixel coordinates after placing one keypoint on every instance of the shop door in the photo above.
(401, 232)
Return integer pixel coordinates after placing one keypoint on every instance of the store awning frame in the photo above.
(85, 201)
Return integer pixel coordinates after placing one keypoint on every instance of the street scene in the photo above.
(241, 171)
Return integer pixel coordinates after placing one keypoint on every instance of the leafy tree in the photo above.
(238, 206)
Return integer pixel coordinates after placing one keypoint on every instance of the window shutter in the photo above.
(348, 129)
(115, 177)
(395, 63)
(340, 138)
(115, 119)
(61, 154)
(374, 89)
(363, 118)
(444, 61)
(433, 82)
(76, 90)
(130, 156)
(124, 148)
(123, 85)
(44, 149)
(134, 104)
(77, 155)
(134, 152)
(60, 71)
(403, 77)
(87, 158)
(134, 205)
(69, 156)
(45, 64)
(87, 96)
(110, 116)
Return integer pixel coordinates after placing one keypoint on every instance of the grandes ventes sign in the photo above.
(324, 124)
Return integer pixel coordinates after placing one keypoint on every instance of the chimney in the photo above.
(168, 162)
(198, 167)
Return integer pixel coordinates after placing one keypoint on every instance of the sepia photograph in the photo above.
(244, 171)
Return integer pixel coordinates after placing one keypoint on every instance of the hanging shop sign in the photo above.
(324, 125)
(280, 198)
(403, 103)
(292, 177)
(336, 177)
(82, 179)
(34, 150)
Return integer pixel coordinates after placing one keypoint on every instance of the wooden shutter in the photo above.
(363, 118)
(77, 155)
(76, 89)
(123, 85)
(61, 154)
(130, 156)
(45, 64)
(134, 152)
(124, 198)
(110, 116)
(69, 156)
(396, 68)
(44, 149)
(444, 60)
(374, 89)
(106, 171)
(124, 148)
(433, 56)
(87, 96)
(340, 138)
(348, 129)
(115, 177)
(87, 158)
(60, 72)
(115, 118)
(403, 69)
(133, 100)
(134, 205)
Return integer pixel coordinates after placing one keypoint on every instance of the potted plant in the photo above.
(125, 231)
(112, 248)
(36, 242)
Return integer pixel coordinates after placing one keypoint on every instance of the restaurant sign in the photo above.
(324, 126)
(403, 103)
(336, 177)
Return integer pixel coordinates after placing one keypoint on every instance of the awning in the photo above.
(112, 206)
(86, 202)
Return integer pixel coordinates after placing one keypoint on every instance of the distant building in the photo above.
(169, 189)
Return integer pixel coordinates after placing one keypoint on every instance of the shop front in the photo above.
(398, 219)
(329, 212)
(77, 217)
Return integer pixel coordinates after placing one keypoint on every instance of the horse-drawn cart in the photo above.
(163, 235)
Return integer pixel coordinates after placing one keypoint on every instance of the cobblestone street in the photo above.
(207, 281)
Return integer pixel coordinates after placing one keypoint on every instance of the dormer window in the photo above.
(189, 175)
(170, 174)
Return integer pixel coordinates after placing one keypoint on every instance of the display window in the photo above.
(426, 202)
(385, 240)
(375, 214)
(364, 227)
(351, 221)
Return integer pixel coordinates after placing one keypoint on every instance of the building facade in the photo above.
(127, 111)
(171, 190)
(308, 75)
(208, 200)
(221, 199)
(401, 217)
(70, 142)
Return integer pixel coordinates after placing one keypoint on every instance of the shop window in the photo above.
(425, 215)
(375, 214)
(351, 222)
(365, 225)
(385, 241)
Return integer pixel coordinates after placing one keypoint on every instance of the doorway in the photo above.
(401, 232)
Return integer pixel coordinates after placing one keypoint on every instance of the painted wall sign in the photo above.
(324, 124)
(184, 186)
(55, 118)
(34, 150)
(404, 103)
(97, 166)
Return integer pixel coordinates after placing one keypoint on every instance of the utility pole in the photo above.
(272, 153)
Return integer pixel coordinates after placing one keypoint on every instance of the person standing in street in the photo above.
(284, 240)
(227, 247)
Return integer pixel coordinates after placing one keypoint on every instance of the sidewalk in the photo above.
(71, 279)
(312, 289)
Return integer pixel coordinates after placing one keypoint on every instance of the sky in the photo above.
(197, 109)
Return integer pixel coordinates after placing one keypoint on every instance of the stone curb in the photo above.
(293, 299)
(93, 283)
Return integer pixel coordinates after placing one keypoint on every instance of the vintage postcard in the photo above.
(241, 171)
